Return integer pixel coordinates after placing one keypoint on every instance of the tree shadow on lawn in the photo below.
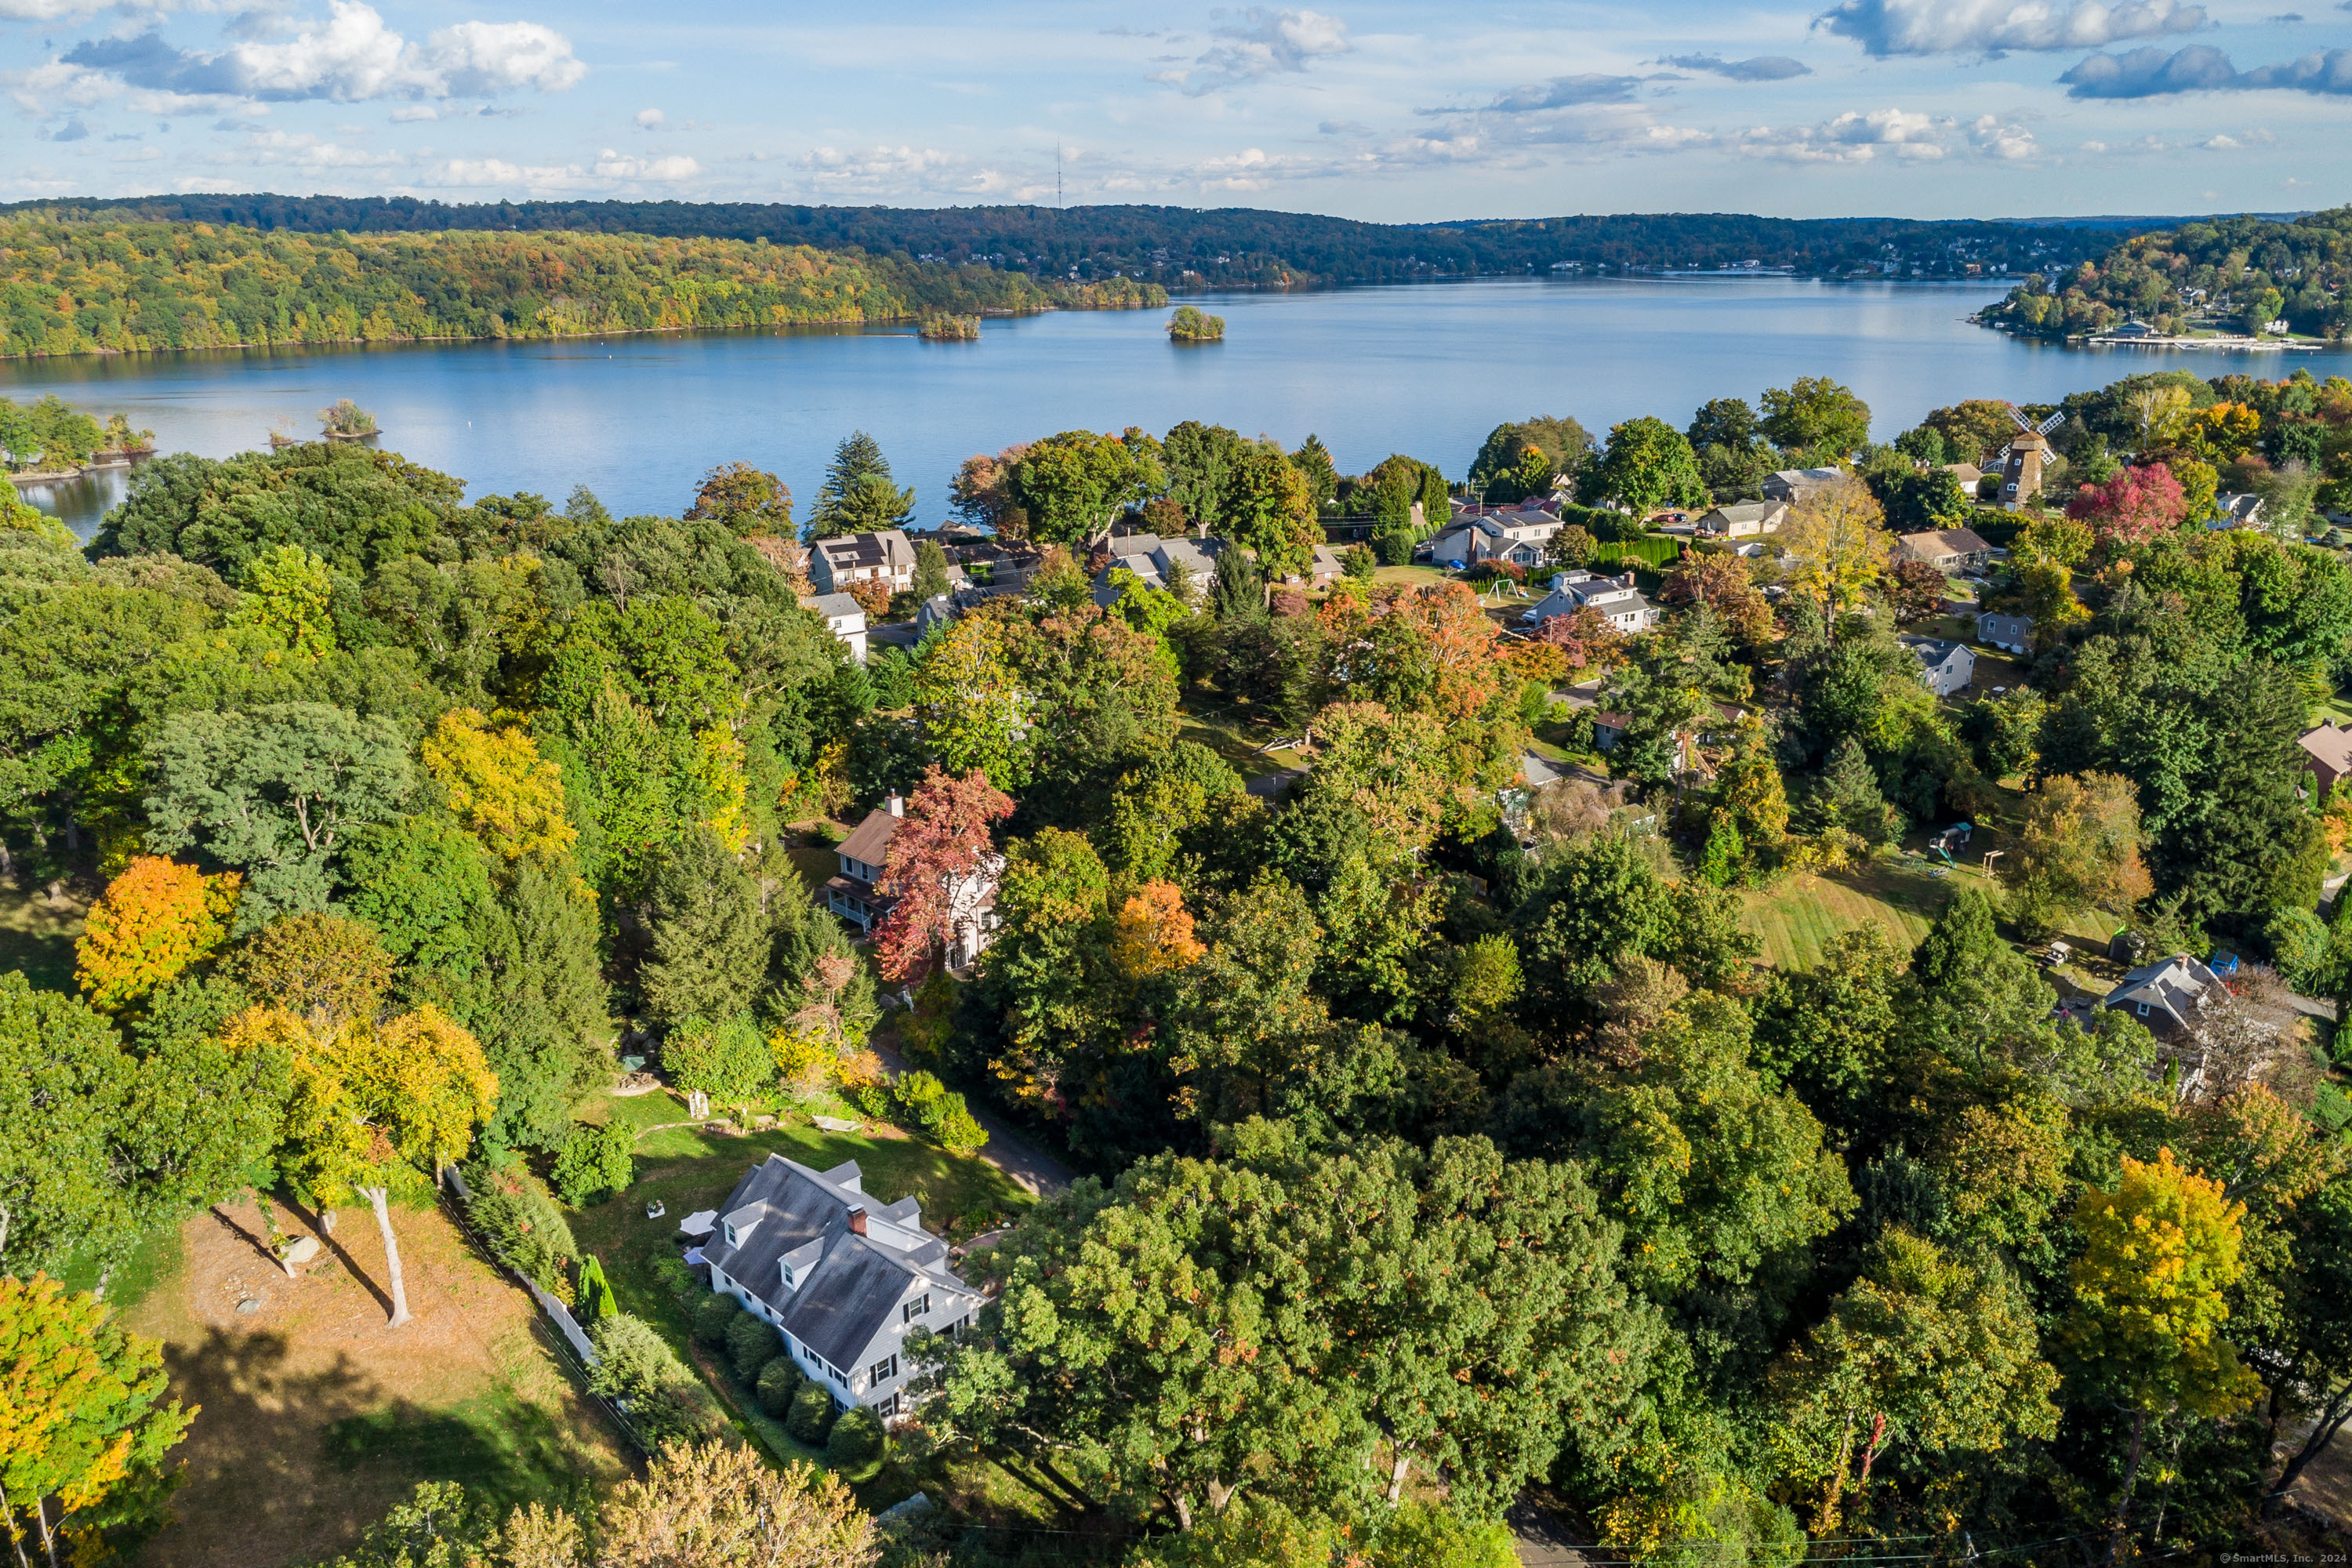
(287, 1466)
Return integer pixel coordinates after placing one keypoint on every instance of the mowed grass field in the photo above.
(1801, 917)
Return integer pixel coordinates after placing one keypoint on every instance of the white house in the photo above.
(843, 1279)
(1520, 538)
(886, 557)
(1157, 560)
(850, 893)
(1945, 667)
(2236, 509)
(845, 619)
(1619, 603)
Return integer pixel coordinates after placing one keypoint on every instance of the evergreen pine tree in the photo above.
(931, 570)
(1847, 795)
(1239, 592)
(1960, 944)
(709, 939)
(858, 494)
(1720, 864)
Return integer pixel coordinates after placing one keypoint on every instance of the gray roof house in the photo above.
(845, 617)
(2166, 996)
(1620, 603)
(843, 1277)
(1155, 560)
(1945, 667)
(851, 893)
(836, 564)
(2012, 633)
(1744, 520)
(1520, 537)
(1793, 485)
(2236, 509)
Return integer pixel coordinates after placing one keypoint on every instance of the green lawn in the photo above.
(1225, 730)
(1800, 918)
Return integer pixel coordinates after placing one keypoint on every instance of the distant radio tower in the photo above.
(1059, 205)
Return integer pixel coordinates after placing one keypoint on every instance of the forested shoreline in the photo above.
(70, 287)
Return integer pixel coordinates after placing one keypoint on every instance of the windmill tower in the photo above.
(2022, 461)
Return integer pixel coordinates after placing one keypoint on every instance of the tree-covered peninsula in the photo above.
(69, 286)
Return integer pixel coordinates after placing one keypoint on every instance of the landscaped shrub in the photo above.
(713, 1318)
(780, 1380)
(812, 1414)
(594, 1162)
(938, 1113)
(728, 1060)
(523, 1226)
(751, 1344)
(858, 1446)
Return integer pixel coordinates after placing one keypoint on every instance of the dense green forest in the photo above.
(1192, 247)
(2238, 274)
(1445, 1140)
(80, 285)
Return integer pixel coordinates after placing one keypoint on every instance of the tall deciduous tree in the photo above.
(288, 594)
(496, 782)
(2133, 508)
(1074, 486)
(2152, 1290)
(719, 1505)
(939, 864)
(83, 1424)
(154, 920)
(273, 791)
(1815, 419)
(1647, 464)
(749, 500)
(329, 969)
(1834, 545)
(976, 714)
(1927, 1351)
(376, 1107)
(2080, 847)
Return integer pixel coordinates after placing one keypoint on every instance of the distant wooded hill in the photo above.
(1191, 247)
(115, 280)
(2240, 273)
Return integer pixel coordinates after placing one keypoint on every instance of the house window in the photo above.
(2143, 1009)
(882, 1371)
(730, 1235)
(789, 1281)
(920, 1306)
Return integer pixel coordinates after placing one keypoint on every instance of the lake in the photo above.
(1425, 369)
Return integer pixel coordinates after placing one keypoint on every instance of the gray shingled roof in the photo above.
(846, 1298)
(2177, 985)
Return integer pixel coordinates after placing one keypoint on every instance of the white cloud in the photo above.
(51, 10)
(351, 56)
(1851, 138)
(411, 114)
(648, 118)
(612, 166)
(1984, 26)
(2003, 139)
(1271, 44)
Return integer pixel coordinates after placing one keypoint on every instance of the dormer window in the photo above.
(920, 1306)
(786, 1269)
(729, 1226)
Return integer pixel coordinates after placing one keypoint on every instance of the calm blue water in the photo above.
(1425, 370)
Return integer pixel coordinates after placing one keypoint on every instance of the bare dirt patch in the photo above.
(316, 1416)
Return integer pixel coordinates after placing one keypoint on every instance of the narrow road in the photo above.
(1032, 1169)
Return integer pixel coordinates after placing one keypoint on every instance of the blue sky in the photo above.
(1917, 108)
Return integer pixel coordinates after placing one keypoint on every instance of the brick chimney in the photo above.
(857, 1222)
(898, 807)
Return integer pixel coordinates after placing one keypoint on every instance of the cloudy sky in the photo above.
(1921, 108)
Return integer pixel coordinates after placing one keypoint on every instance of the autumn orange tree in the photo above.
(152, 923)
(83, 1423)
(939, 860)
(375, 1107)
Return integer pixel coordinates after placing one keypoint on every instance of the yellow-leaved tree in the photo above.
(1835, 544)
(153, 921)
(288, 592)
(2160, 1254)
(497, 784)
(376, 1107)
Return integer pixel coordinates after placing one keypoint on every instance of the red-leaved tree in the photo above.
(1586, 637)
(939, 867)
(2133, 508)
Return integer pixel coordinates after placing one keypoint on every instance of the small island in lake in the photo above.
(1189, 325)
(949, 329)
(346, 421)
